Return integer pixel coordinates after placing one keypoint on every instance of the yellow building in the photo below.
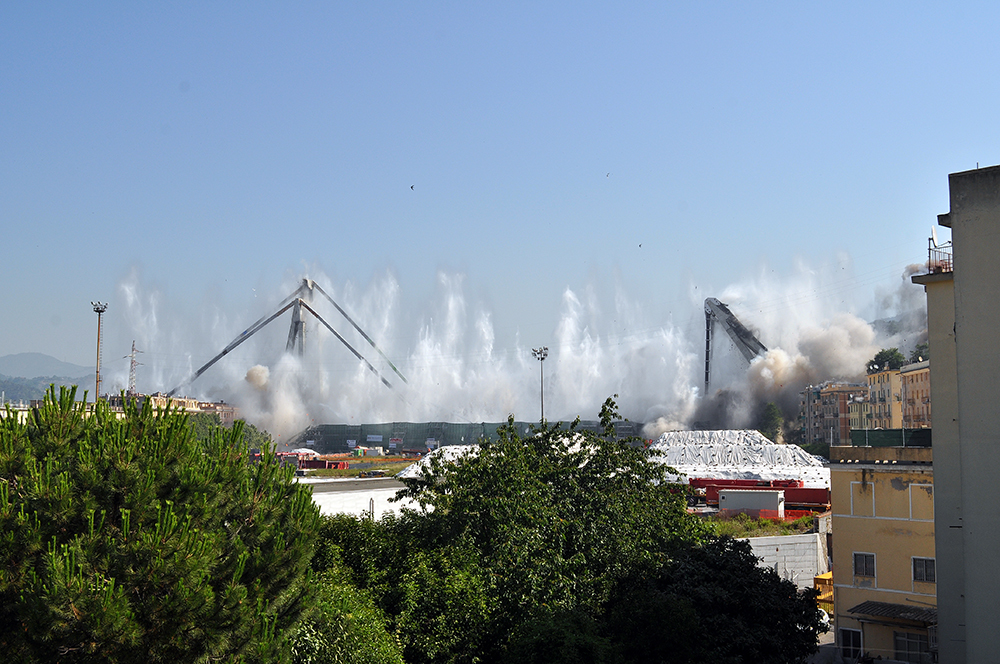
(915, 388)
(227, 413)
(884, 568)
(859, 413)
(885, 399)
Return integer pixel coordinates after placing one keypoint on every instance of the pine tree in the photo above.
(127, 539)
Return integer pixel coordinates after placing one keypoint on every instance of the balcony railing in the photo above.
(939, 259)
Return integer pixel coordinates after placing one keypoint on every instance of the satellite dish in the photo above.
(934, 238)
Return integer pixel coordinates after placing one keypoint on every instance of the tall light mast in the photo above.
(99, 309)
(540, 354)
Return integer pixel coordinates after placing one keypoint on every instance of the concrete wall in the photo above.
(948, 521)
(975, 223)
(797, 558)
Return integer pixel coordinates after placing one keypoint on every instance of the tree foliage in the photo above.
(920, 352)
(887, 357)
(130, 539)
(541, 547)
(770, 421)
(205, 424)
(713, 603)
(344, 628)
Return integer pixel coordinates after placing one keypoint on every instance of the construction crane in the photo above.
(744, 340)
(300, 299)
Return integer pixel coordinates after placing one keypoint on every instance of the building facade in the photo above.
(915, 388)
(226, 413)
(884, 565)
(963, 317)
(824, 411)
(859, 413)
(885, 399)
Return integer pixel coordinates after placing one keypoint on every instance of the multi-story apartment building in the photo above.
(885, 399)
(963, 316)
(824, 412)
(884, 567)
(915, 389)
(859, 413)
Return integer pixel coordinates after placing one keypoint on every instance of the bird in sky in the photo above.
(411, 186)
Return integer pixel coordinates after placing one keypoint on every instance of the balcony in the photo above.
(939, 259)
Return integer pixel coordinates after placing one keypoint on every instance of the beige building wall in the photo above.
(883, 519)
(965, 425)
(915, 383)
(948, 520)
(885, 399)
(860, 413)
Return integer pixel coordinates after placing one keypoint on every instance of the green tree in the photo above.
(529, 526)
(887, 357)
(205, 424)
(920, 353)
(770, 421)
(345, 627)
(712, 602)
(546, 546)
(130, 539)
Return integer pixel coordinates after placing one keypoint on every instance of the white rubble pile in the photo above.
(446, 453)
(730, 454)
(738, 454)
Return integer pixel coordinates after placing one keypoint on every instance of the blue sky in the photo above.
(214, 152)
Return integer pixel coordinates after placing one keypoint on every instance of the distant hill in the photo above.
(25, 389)
(40, 365)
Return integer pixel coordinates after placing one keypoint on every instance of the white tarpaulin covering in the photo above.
(733, 454)
(446, 453)
(738, 454)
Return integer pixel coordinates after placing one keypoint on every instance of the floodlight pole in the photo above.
(99, 309)
(540, 354)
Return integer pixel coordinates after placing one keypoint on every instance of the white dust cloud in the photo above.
(453, 370)
(813, 335)
(814, 326)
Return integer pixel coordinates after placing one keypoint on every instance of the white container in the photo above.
(752, 502)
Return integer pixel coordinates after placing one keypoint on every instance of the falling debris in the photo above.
(258, 376)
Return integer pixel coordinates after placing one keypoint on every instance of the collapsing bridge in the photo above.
(744, 340)
(300, 299)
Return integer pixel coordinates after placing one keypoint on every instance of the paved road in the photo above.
(357, 484)
(357, 496)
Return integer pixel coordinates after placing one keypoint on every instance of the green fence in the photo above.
(891, 438)
(395, 437)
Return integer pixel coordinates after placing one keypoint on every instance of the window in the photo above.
(850, 643)
(864, 564)
(923, 570)
(912, 647)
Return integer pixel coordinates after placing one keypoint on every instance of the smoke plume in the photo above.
(454, 371)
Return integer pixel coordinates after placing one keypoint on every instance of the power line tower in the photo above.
(131, 371)
(99, 309)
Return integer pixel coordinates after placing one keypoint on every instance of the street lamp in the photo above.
(540, 355)
(99, 309)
